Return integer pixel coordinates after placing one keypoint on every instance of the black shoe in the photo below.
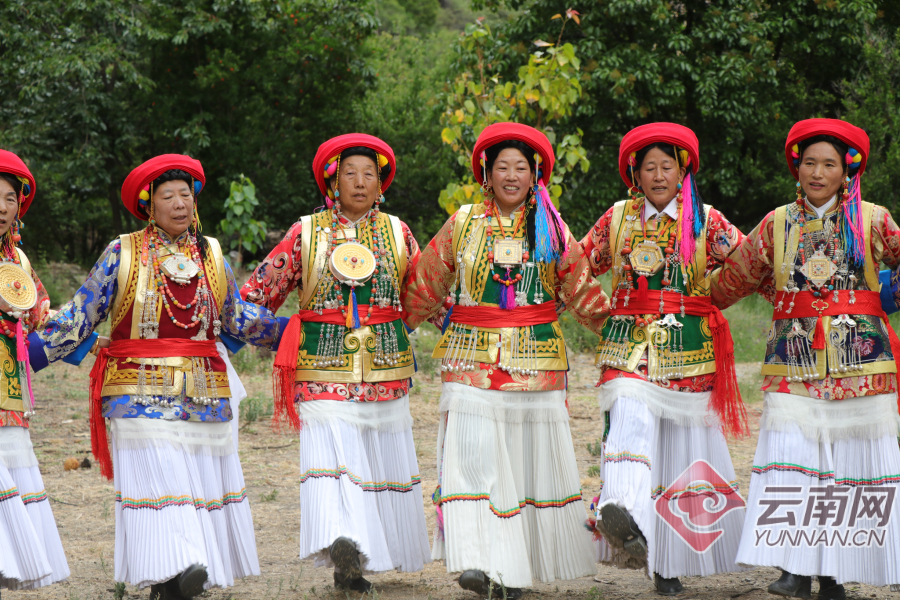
(829, 589)
(190, 582)
(158, 592)
(667, 587)
(620, 524)
(478, 582)
(792, 586)
(345, 557)
(360, 584)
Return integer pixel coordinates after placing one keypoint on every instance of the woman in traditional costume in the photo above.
(828, 435)
(31, 554)
(668, 386)
(343, 369)
(183, 520)
(509, 496)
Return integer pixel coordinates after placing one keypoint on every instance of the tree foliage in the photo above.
(241, 230)
(543, 93)
(92, 88)
(737, 72)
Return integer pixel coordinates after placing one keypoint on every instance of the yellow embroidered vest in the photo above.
(697, 357)
(871, 338)
(475, 275)
(121, 376)
(10, 389)
(359, 345)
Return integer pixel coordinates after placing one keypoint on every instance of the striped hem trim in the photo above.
(27, 499)
(36, 497)
(791, 468)
(809, 472)
(167, 501)
(367, 486)
(627, 457)
(701, 489)
(505, 514)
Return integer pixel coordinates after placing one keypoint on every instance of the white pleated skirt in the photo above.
(359, 478)
(509, 486)
(674, 476)
(31, 554)
(840, 478)
(180, 501)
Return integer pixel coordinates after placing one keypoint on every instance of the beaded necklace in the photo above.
(517, 225)
(200, 302)
(385, 292)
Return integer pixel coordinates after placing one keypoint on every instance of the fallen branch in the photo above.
(272, 447)
(63, 502)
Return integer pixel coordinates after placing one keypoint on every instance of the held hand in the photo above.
(103, 342)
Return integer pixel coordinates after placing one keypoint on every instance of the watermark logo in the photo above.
(829, 516)
(696, 502)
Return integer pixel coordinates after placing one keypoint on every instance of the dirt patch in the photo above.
(83, 502)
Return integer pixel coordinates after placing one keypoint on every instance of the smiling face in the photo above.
(659, 176)
(511, 179)
(357, 184)
(9, 206)
(821, 173)
(173, 206)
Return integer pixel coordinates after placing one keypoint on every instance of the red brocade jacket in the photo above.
(281, 273)
(753, 267)
(721, 240)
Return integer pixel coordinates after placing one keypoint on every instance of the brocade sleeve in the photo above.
(579, 290)
(748, 268)
(277, 275)
(429, 280)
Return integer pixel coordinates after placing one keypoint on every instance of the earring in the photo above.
(799, 194)
(846, 194)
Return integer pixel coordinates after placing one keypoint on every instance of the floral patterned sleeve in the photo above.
(596, 245)
(885, 238)
(721, 239)
(579, 290)
(278, 274)
(76, 320)
(429, 280)
(246, 321)
(41, 311)
(748, 268)
(413, 253)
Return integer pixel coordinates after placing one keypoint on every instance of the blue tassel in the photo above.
(698, 214)
(446, 322)
(543, 251)
(356, 323)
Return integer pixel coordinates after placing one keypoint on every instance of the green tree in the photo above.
(543, 94)
(737, 72)
(241, 230)
(404, 110)
(872, 102)
(90, 89)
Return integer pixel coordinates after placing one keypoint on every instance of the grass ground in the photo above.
(83, 502)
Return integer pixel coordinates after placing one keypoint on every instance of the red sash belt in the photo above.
(285, 369)
(725, 399)
(488, 316)
(160, 348)
(807, 305)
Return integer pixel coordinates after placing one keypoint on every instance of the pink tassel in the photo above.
(687, 244)
(22, 359)
(21, 351)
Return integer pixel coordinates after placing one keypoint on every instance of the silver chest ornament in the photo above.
(180, 268)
